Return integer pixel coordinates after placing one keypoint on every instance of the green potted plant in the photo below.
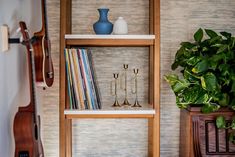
(207, 66)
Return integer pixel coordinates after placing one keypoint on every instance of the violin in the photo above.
(26, 122)
(42, 51)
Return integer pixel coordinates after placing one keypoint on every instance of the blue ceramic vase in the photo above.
(103, 26)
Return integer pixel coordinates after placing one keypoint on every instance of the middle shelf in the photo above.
(120, 113)
(109, 40)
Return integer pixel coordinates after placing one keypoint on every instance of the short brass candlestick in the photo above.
(125, 66)
(136, 104)
(115, 104)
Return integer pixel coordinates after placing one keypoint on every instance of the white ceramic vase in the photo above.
(120, 26)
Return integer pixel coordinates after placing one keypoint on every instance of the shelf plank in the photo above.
(91, 36)
(70, 114)
(109, 40)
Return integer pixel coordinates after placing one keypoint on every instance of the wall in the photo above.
(13, 68)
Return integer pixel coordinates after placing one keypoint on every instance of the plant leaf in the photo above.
(180, 85)
(216, 45)
(210, 107)
(222, 49)
(226, 34)
(171, 79)
(193, 60)
(215, 40)
(176, 84)
(209, 82)
(191, 77)
(187, 45)
(224, 100)
(194, 49)
(182, 105)
(202, 98)
(220, 122)
(224, 69)
(179, 58)
(233, 123)
(174, 65)
(198, 35)
(200, 67)
(179, 53)
(204, 49)
(233, 86)
(232, 137)
(190, 94)
(217, 57)
(233, 42)
(233, 105)
(211, 33)
(214, 60)
(195, 95)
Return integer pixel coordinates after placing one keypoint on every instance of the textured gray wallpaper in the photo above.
(136, 14)
(115, 137)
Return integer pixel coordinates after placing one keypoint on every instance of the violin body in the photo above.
(43, 62)
(27, 135)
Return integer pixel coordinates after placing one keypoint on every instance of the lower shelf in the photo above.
(70, 114)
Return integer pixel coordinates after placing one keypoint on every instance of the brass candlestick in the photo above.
(136, 104)
(115, 104)
(125, 66)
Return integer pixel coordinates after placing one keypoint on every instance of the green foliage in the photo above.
(222, 124)
(208, 70)
(208, 73)
(198, 35)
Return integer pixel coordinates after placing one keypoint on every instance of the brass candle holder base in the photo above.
(126, 103)
(116, 104)
(136, 104)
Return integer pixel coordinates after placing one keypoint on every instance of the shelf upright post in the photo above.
(154, 82)
(65, 125)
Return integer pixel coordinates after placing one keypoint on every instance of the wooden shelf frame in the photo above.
(109, 40)
(154, 76)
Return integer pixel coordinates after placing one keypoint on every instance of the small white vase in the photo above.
(120, 26)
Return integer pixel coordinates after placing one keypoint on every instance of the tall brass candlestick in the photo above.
(136, 104)
(125, 66)
(115, 104)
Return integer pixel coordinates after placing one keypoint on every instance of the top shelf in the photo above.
(92, 36)
(109, 40)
